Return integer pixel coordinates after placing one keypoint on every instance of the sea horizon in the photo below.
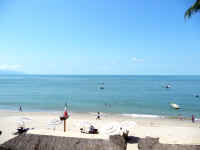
(29, 74)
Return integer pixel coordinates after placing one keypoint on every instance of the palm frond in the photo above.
(193, 9)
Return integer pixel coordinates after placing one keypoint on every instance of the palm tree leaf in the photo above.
(193, 9)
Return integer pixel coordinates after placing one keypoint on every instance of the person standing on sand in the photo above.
(20, 108)
(193, 119)
(98, 116)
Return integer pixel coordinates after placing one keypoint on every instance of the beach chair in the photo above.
(21, 130)
(94, 131)
(52, 124)
(89, 130)
(84, 130)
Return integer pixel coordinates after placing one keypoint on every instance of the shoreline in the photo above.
(105, 116)
(132, 115)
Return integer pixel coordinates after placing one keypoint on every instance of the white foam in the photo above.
(141, 116)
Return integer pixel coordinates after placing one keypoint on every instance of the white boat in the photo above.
(175, 106)
(168, 86)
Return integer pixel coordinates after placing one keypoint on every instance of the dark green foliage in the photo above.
(193, 9)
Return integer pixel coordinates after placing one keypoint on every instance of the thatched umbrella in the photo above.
(149, 143)
(44, 142)
(21, 121)
(127, 125)
(111, 129)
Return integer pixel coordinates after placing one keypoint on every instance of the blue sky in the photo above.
(99, 37)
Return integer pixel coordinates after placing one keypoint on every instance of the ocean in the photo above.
(122, 94)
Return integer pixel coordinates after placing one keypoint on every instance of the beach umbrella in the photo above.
(20, 124)
(127, 125)
(22, 120)
(111, 129)
(54, 122)
(84, 123)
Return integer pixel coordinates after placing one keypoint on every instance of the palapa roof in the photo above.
(45, 142)
(149, 143)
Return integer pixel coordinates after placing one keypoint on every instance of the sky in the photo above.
(114, 37)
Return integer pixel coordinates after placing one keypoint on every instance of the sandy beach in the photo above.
(172, 131)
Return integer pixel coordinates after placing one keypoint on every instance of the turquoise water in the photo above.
(121, 94)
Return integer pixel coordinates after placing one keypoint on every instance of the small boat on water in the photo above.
(175, 106)
(101, 87)
(168, 86)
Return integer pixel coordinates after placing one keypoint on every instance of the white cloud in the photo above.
(114, 62)
(10, 67)
(137, 59)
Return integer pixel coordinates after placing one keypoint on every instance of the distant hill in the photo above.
(10, 72)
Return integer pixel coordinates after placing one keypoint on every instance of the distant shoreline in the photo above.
(27, 74)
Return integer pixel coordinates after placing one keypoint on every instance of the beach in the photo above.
(172, 131)
(85, 71)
